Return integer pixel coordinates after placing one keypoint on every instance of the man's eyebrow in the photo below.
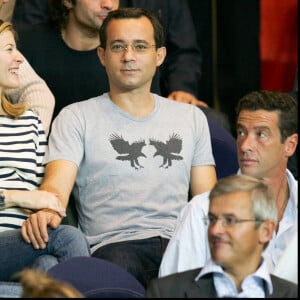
(117, 41)
(262, 127)
(255, 127)
(133, 41)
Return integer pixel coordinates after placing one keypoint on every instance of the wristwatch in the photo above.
(2, 199)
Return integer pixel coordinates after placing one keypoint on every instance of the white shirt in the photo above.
(188, 248)
(288, 261)
(22, 148)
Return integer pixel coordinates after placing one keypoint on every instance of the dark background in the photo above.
(228, 34)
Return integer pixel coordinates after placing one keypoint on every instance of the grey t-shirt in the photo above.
(134, 173)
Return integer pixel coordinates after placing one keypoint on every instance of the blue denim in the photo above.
(10, 290)
(64, 242)
(45, 262)
(141, 258)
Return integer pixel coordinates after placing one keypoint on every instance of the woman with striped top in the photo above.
(22, 147)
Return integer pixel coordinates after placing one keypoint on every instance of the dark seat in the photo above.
(224, 149)
(97, 278)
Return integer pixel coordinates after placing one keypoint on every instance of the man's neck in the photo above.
(136, 104)
(282, 198)
(280, 188)
(79, 40)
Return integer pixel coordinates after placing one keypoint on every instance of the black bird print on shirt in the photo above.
(130, 152)
(166, 150)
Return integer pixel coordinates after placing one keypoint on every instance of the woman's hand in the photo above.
(35, 200)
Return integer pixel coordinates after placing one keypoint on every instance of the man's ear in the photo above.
(68, 4)
(266, 230)
(291, 144)
(101, 55)
(161, 55)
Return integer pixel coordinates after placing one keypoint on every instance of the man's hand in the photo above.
(186, 97)
(35, 229)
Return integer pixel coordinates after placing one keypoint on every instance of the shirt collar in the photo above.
(261, 272)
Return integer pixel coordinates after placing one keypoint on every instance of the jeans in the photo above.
(10, 290)
(15, 254)
(141, 258)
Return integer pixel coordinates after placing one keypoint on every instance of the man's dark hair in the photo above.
(284, 103)
(132, 13)
(58, 13)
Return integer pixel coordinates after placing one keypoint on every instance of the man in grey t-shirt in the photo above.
(131, 156)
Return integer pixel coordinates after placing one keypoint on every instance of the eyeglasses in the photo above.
(138, 47)
(227, 221)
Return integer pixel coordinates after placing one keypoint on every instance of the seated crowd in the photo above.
(148, 176)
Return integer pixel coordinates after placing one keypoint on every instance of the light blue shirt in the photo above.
(252, 285)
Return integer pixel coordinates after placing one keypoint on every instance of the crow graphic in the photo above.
(173, 145)
(128, 152)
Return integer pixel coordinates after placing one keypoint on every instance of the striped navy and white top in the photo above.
(22, 150)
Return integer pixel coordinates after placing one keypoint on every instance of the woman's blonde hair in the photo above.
(12, 109)
(38, 284)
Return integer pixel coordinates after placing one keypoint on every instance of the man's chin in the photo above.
(220, 257)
